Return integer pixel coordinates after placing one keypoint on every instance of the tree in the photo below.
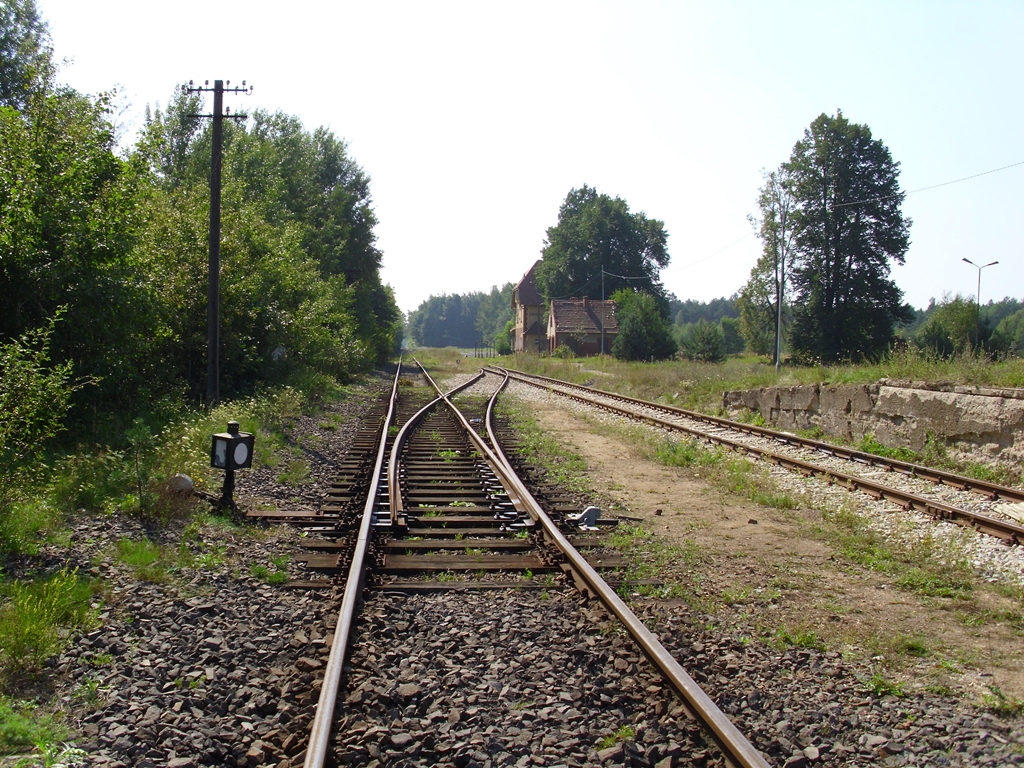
(775, 228)
(596, 232)
(756, 302)
(643, 329)
(704, 343)
(732, 340)
(950, 328)
(847, 228)
(25, 58)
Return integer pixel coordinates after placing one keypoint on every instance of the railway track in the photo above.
(433, 510)
(986, 507)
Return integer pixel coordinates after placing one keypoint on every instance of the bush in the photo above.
(643, 330)
(704, 343)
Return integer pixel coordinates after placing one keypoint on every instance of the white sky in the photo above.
(474, 120)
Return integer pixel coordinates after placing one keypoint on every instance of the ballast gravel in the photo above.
(214, 667)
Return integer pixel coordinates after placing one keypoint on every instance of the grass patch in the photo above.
(927, 566)
(879, 685)
(147, 560)
(654, 558)
(1001, 704)
(784, 638)
(36, 619)
(935, 455)
(275, 574)
(296, 473)
(25, 727)
(624, 733)
(563, 466)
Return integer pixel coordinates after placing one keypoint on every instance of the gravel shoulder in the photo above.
(767, 574)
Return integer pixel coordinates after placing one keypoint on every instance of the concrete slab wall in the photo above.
(973, 420)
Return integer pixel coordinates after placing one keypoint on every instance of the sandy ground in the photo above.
(768, 568)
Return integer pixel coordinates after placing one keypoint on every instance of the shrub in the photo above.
(31, 620)
(704, 343)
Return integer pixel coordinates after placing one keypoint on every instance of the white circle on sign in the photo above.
(241, 454)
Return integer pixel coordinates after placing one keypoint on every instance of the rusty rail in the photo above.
(734, 745)
(319, 738)
(395, 502)
(1011, 533)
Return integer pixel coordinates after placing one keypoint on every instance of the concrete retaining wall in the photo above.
(898, 413)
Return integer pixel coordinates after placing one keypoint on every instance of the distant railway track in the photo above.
(428, 496)
(850, 468)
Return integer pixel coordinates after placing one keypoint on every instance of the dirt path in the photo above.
(768, 569)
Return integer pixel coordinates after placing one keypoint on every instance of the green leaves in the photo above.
(596, 232)
(848, 227)
(643, 330)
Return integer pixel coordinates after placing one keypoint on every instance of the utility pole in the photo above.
(603, 310)
(213, 302)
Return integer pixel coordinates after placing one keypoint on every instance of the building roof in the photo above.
(584, 316)
(526, 290)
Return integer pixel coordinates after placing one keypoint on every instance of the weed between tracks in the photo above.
(563, 466)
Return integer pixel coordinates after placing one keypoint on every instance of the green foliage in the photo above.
(146, 559)
(768, 286)
(881, 686)
(463, 320)
(35, 617)
(24, 726)
(121, 241)
(563, 352)
(786, 637)
(848, 227)
(623, 733)
(34, 399)
(596, 232)
(25, 55)
(272, 575)
(732, 338)
(951, 328)
(691, 310)
(643, 328)
(704, 343)
(1001, 704)
(1008, 336)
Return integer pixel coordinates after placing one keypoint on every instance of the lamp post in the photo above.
(977, 312)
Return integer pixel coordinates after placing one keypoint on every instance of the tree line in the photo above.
(104, 249)
(463, 320)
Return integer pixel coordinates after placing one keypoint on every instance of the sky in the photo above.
(474, 120)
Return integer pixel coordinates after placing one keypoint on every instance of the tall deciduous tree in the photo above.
(596, 232)
(848, 229)
(760, 308)
(25, 60)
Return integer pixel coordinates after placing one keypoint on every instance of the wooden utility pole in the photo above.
(213, 302)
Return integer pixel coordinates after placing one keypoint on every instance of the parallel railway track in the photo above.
(794, 453)
(440, 498)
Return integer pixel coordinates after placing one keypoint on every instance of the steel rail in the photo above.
(983, 487)
(734, 745)
(396, 504)
(320, 733)
(1011, 533)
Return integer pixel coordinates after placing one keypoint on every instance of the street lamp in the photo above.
(977, 314)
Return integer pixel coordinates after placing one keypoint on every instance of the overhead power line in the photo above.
(933, 186)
